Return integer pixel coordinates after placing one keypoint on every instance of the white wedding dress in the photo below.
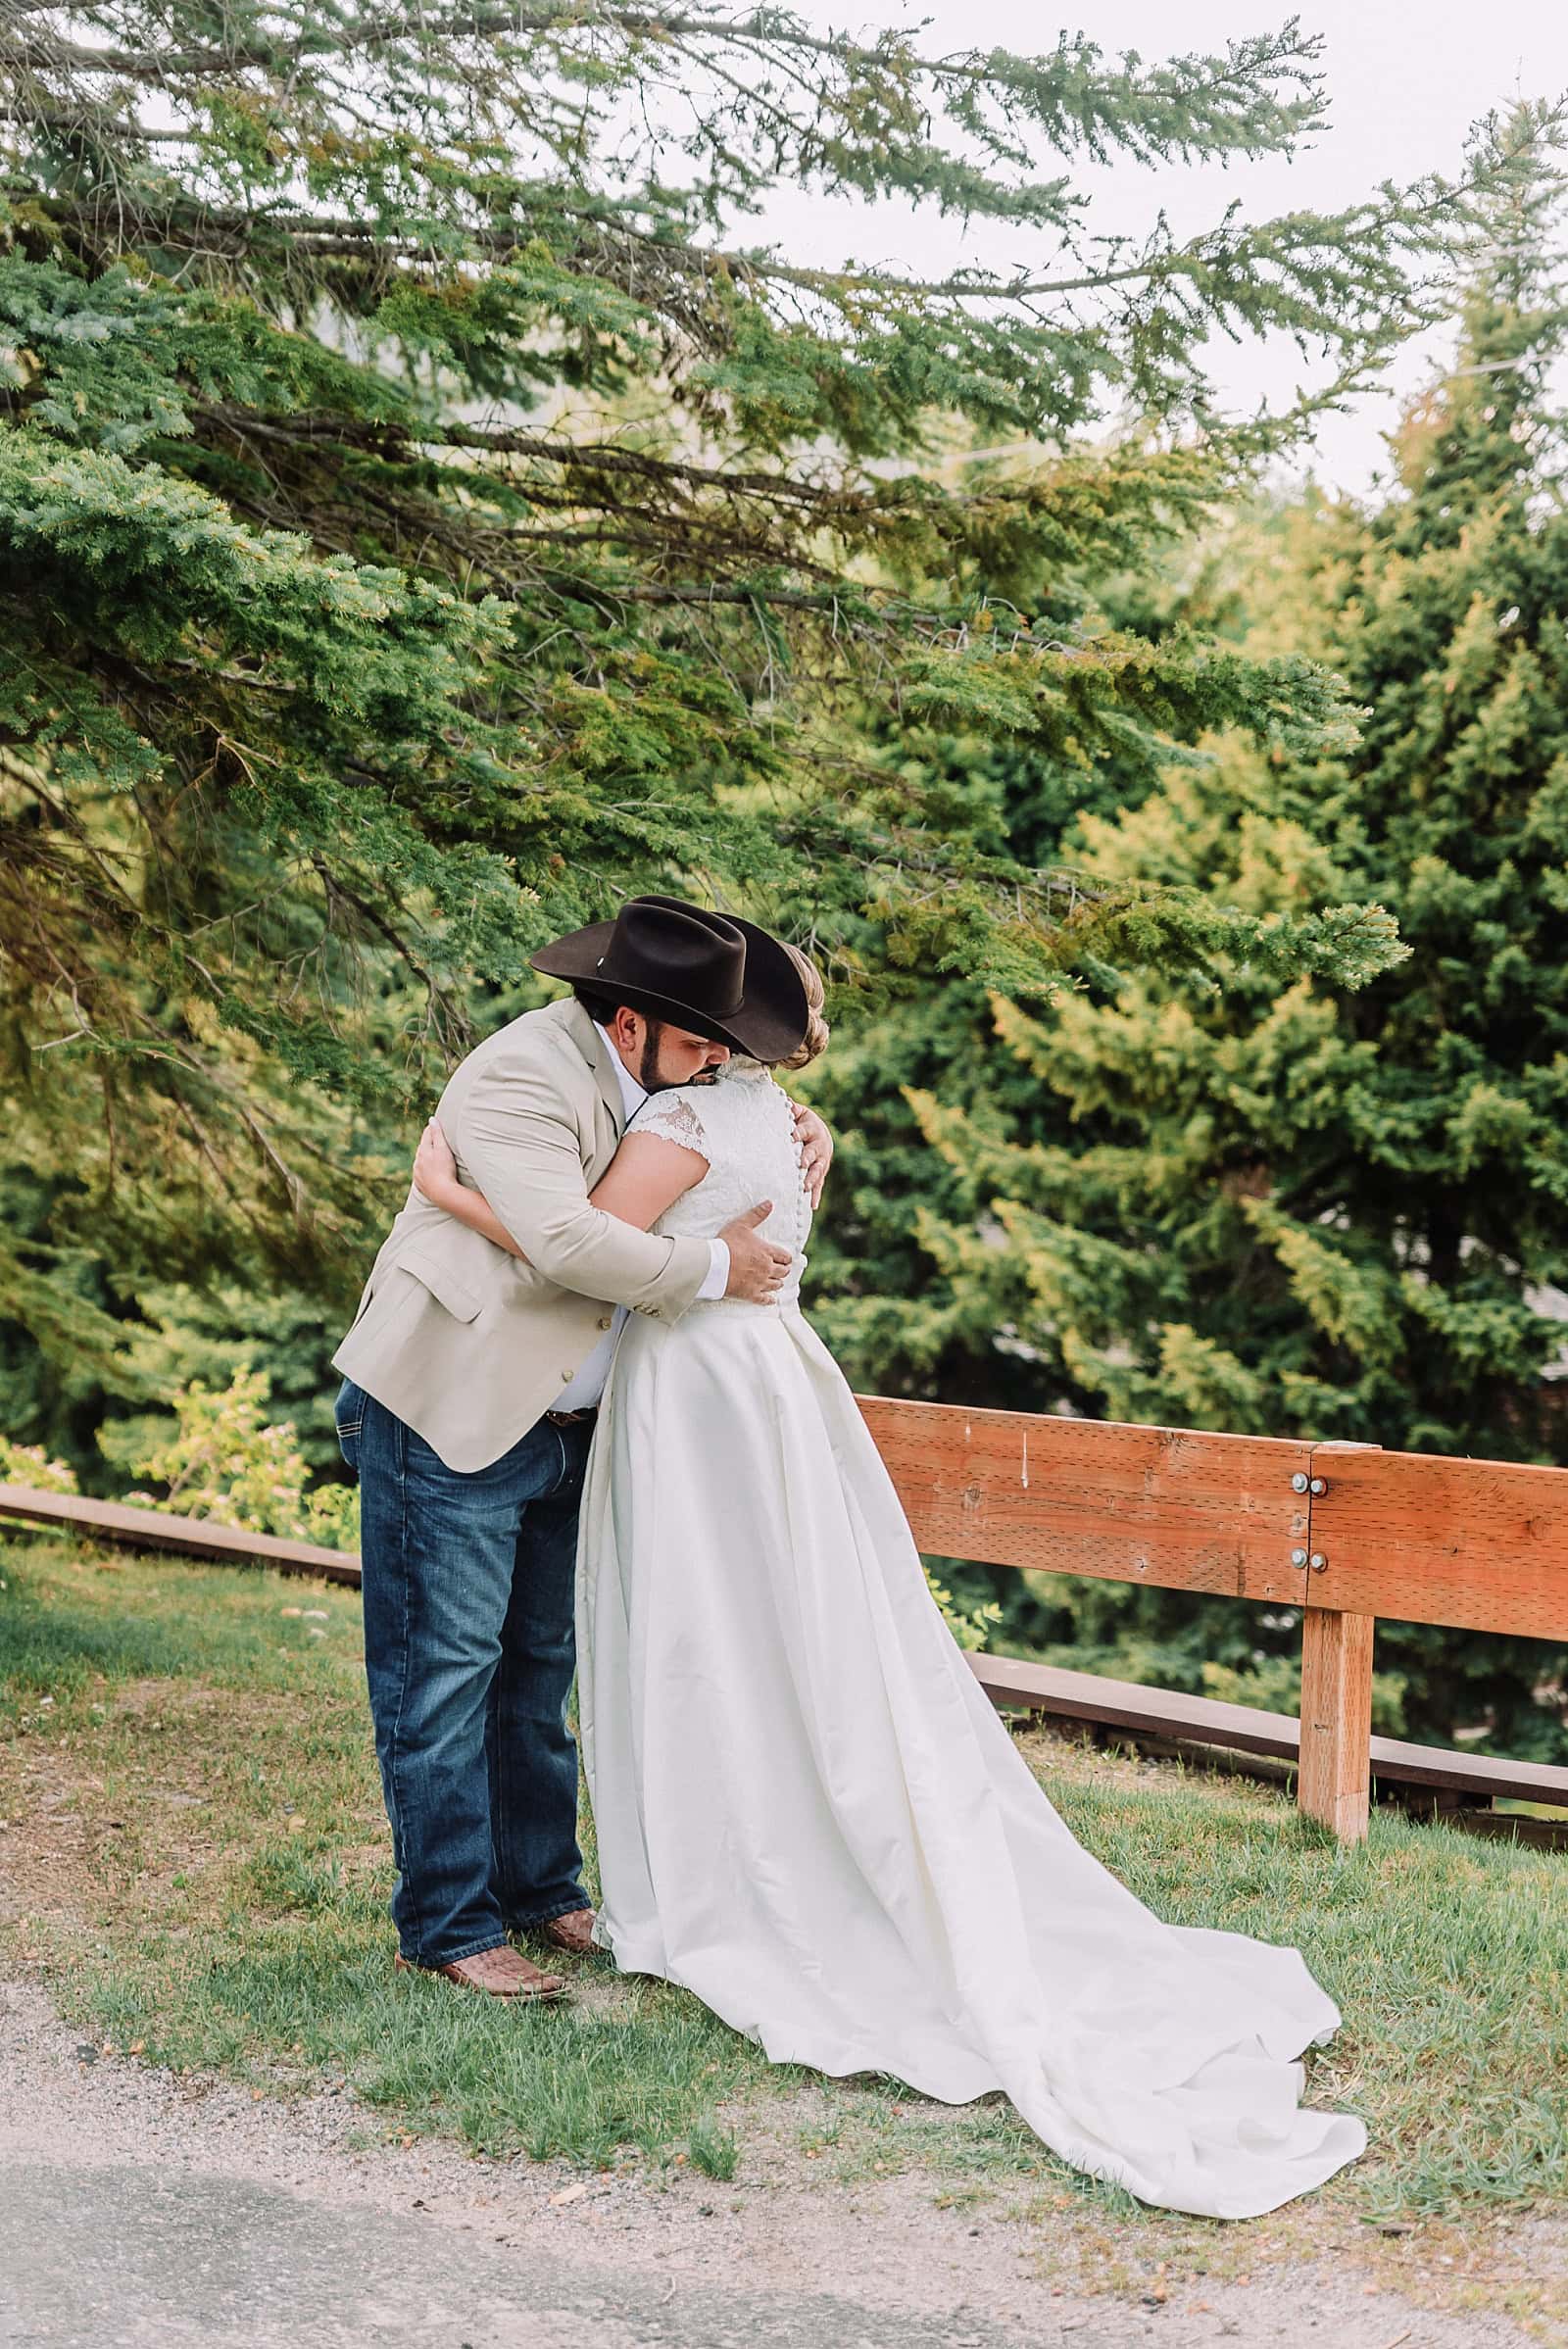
(808, 1814)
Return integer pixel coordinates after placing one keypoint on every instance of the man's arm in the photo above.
(516, 1144)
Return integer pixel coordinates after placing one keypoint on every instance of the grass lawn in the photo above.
(194, 1856)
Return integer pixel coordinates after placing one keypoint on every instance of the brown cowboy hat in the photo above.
(713, 974)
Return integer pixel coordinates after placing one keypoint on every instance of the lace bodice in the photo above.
(743, 1126)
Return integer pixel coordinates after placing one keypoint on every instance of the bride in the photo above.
(808, 1812)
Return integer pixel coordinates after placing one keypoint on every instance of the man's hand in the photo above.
(817, 1149)
(756, 1268)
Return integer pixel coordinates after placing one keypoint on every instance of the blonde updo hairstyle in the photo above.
(817, 1027)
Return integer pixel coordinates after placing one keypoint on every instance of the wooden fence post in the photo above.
(1335, 1780)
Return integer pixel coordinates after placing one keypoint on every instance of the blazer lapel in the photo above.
(596, 1053)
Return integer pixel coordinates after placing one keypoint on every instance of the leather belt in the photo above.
(571, 1419)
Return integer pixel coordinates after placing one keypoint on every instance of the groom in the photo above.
(471, 1382)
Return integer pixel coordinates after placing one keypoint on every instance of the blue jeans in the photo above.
(469, 1650)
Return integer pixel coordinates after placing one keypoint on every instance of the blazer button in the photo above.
(607, 1321)
(565, 1378)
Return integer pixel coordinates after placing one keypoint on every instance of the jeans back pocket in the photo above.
(348, 1416)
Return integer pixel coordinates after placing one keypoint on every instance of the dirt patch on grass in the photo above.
(47, 1844)
(117, 1813)
(1037, 2268)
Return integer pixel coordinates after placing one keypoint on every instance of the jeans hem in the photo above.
(433, 1965)
(565, 1908)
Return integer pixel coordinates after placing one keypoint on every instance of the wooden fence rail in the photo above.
(188, 1537)
(1344, 1533)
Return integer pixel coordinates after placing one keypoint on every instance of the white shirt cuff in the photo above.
(717, 1280)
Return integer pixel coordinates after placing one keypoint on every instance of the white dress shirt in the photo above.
(588, 1386)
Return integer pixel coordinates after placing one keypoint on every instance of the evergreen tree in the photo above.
(424, 516)
(896, 1330)
(1300, 1210)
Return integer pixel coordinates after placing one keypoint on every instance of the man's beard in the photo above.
(648, 1075)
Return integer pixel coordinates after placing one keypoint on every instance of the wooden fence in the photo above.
(1344, 1533)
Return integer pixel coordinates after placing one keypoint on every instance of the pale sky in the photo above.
(1405, 79)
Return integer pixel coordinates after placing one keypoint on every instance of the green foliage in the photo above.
(972, 1626)
(31, 1464)
(424, 516)
(224, 1459)
(1189, 1194)
(185, 1334)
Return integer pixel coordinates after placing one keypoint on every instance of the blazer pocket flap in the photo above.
(448, 1288)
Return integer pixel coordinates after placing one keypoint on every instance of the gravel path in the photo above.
(138, 2209)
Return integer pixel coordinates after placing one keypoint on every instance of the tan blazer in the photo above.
(465, 1343)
